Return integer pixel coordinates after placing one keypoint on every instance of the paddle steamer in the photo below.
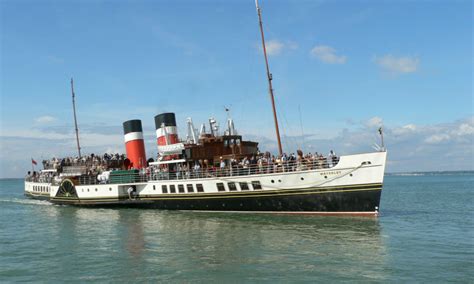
(210, 171)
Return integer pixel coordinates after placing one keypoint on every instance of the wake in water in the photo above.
(26, 201)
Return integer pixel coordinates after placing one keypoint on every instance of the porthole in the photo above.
(87, 190)
(302, 178)
(325, 176)
(350, 174)
(273, 181)
(110, 189)
(96, 189)
(154, 187)
(279, 180)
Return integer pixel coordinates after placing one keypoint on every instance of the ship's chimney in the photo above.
(166, 130)
(134, 144)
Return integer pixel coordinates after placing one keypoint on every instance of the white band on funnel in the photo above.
(133, 136)
(169, 130)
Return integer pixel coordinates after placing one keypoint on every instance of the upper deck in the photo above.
(83, 176)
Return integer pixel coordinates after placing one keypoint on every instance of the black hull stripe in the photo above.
(248, 193)
(202, 197)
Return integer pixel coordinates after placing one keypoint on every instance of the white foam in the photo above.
(27, 201)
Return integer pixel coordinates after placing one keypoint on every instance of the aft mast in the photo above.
(75, 119)
(269, 76)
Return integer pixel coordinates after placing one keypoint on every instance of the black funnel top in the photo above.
(168, 118)
(134, 125)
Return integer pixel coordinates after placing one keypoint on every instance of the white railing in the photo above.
(155, 173)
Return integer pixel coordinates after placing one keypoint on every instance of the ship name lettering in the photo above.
(330, 173)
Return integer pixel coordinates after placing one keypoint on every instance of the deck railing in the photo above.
(155, 173)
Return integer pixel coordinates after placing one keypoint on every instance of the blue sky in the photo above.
(348, 66)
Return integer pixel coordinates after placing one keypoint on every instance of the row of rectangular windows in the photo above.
(189, 188)
(40, 188)
(243, 186)
(199, 187)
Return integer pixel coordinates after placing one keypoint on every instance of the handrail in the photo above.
(155, 173)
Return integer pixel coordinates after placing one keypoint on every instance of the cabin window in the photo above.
(199, 187)
(220, 186)
(190, 187)
(154, 188)
(256, 185)
(232, 186)
(244, 186)
(164, 188)
(172, 188)
(181, 188)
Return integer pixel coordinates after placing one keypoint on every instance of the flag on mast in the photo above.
(33, 162)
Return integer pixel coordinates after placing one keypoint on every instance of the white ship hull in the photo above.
(353, 186)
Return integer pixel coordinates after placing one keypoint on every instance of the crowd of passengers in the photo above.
(99, 167)
(259, 164)
(93, 161)
(92, 164)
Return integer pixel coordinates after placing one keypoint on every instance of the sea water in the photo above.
(425, 234)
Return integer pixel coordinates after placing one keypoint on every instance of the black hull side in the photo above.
(37, 196)
(358, 199)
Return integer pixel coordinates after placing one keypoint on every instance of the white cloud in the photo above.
(374, 122)
(277, 47)
(406, 129)
(404, 64)
(437, 138)
(274, 47)
(45, 119)
(327, 54)
(464, 129)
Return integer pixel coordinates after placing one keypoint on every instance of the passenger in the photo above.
(222, 166)
(130, 191)
(332, 158)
